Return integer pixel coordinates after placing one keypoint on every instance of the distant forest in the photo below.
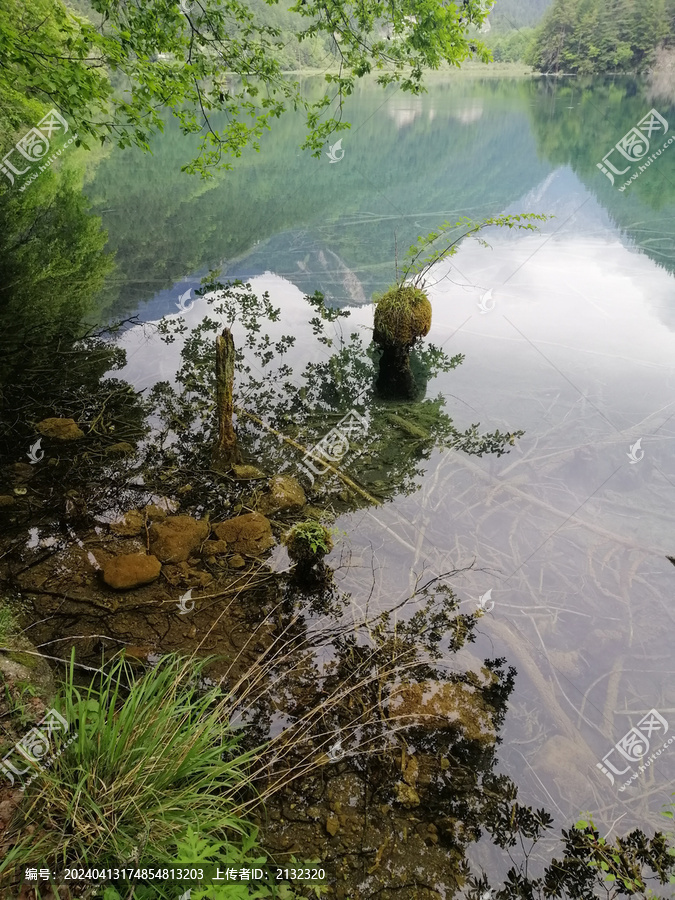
(571, 36)
(581, 36)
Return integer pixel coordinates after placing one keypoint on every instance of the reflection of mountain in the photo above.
(303, 261)
(395, 182)
(576, 124)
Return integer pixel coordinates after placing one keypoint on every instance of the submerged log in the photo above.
(226, 452)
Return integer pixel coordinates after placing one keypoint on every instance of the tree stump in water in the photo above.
(402, 317)
(226, 452)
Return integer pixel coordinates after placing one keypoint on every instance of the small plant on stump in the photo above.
(403, 313)
(307, 544)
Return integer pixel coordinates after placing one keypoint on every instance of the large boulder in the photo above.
(60, 429)
(177, 538)
(131, 570)
(284, 494)
(250, 534)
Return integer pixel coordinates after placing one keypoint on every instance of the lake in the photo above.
(568, 334)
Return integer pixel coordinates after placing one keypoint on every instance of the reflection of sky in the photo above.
(569, 535)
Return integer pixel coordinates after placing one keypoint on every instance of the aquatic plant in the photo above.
(308, 542)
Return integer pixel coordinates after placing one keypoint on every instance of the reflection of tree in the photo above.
(52, 265)
(386, 458)
(582, 139)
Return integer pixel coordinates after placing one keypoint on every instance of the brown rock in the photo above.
(122, 448)
(284, 495)
(60, 429)
(236, 562)
(436, 704)
(406, 795)
(7, 500)
(247, 473)
(214, 548)
(130, 570)
(130, 524)
(155, 513)
(177, 538)
(332, 825)
(250, 534)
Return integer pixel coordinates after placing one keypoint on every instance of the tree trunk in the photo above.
(226, 452)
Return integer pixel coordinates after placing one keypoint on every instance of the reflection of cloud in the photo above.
(470, 113)
(404, 111)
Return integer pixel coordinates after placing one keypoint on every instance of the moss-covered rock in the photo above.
(402, 317)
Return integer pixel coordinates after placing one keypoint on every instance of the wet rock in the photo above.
(131, 570)
(437, 704)
(7, 500)
(122, 448)
(406, 795)
(236, 562)
(247, 473)
(284, 494)
(60, 429)
(214, 548)
(250, 534)
(177, 538)
(332, 825)
(154, 512)
(130, 525)
(21, 667)
(411, 772)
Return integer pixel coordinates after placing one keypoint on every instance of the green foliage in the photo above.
(219, 67)
(308, 539)
(153, 756)
(590, 36)
(511, 46)
(420, 257)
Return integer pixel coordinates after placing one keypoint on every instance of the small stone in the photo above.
(247, 473)
(155, 513)
(60, 429)
(284, 494)
(7, 500)
(236, 562)
(130, 525)
(20, 491)
(214, 548)
(445, 764)
(122, 448)
(131, 570)
(411, 772)
(250, 534)
(176, 538)
(332, 825)
(406, 795)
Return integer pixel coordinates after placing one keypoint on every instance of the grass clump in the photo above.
(155, 774)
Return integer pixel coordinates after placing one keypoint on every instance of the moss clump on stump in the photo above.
(402, 317)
